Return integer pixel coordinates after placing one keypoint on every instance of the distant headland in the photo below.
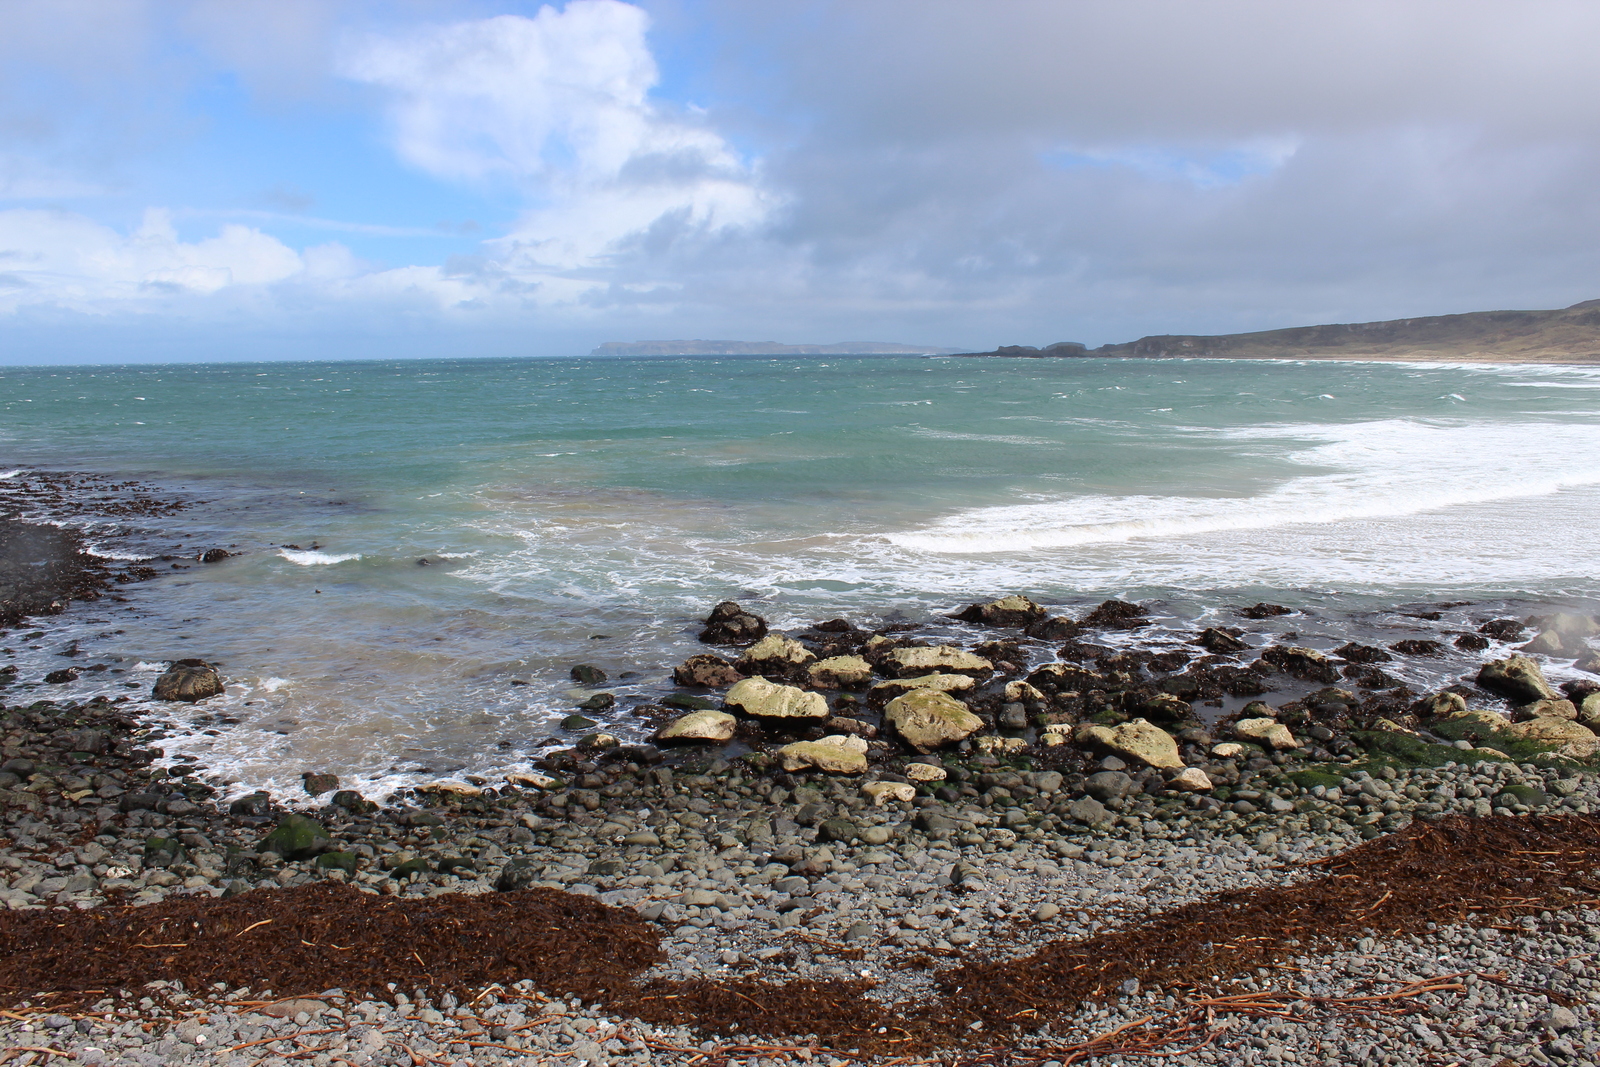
(765, 348)
(1566, 335)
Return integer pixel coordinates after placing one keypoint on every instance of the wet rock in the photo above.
(942, 659)
(599, 702)
(1516, 677)
(700, 726)
(1191, 780)
(1021, 692)
(729, 624)
(353, 802)
(929, 720)
(834, 754)
(253, 804)
(188, 680)
(711, 672)
(1007, 611)
(1589, 710)
(762, 699)
(318, 784)
(1418, 647)
(1268, 733)
(62, 676)
(1219, 641)
(1053, 628)
(214, 555)
(1472, 642)
(1362, 653)
(1135, 739)
(337, 861)
(578, 722)
(587, 674)
(1590, 663)
(1116, 615)
(836, 671)
(1301, 662)
(518, 874)
(1265, 611)
(1502, 629)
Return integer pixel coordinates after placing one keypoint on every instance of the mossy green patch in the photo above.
(1404, 750)
(1482, 735)
(1311, 777)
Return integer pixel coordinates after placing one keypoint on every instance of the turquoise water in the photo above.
(560, 500)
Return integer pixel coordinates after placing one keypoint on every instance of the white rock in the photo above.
(883, 792)
(768, 700)
(924, 772)
(1269, 733)
(1191, 780)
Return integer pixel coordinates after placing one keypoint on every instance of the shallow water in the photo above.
(591, 510)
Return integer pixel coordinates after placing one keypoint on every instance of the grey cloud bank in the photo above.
(948, 173)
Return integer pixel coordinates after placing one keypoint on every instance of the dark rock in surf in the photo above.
(214, 555)
(1305, 663)
(318, 784)
(1007, 611)
(62, 676)
(587, 674)
(729, 624)
(1265, 611)
(1362, 653)
(1116, 615)
(1417, 647)
(1219, 641)
(188, 680)
(1502, 629)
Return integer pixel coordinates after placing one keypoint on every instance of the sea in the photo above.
(424, 549)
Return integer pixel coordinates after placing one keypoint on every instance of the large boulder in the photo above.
(1589, 662)
(1589, 711)
(729, 624)
(836, 671)
(834, 754)
(1569, 738)
(699, 726)
(929, 720)
(1548, 709)
(188, 680)
(762, 699)
(712, 672)
(1007, 611)
(1518, 678)
(1135, 739)
(941, 659)
(1219, 641)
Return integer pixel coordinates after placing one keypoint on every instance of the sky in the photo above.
(322, 179)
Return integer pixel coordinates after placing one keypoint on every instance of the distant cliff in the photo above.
(763, 348)
(1567, 335)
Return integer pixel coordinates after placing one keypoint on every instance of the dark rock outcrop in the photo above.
(729, 624)
(188, 680)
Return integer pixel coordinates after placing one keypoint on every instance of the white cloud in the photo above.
(559, 106)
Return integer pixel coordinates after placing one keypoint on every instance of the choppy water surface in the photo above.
(589, 510)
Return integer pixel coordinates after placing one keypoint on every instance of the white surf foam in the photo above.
(313, 558)
(1373, 470)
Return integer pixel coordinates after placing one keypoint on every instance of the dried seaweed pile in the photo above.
(306, 940)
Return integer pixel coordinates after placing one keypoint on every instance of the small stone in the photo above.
(1227, 750)
(587, 674)
(188, 680)
(1191, 780)
(317, 784)
(1268, 733)
(1562, 1019)
(884, 792)
(925, 772)
(1046, 911)
(1135, 739)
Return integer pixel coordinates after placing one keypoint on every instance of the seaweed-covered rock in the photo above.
(706, 670)
(1518, 678)
(729, 624)
(1265, 611)
(1567, 738)
(188, 680)
(1301, 662)
(929, 720)
(295, 838)
(1356, 653)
